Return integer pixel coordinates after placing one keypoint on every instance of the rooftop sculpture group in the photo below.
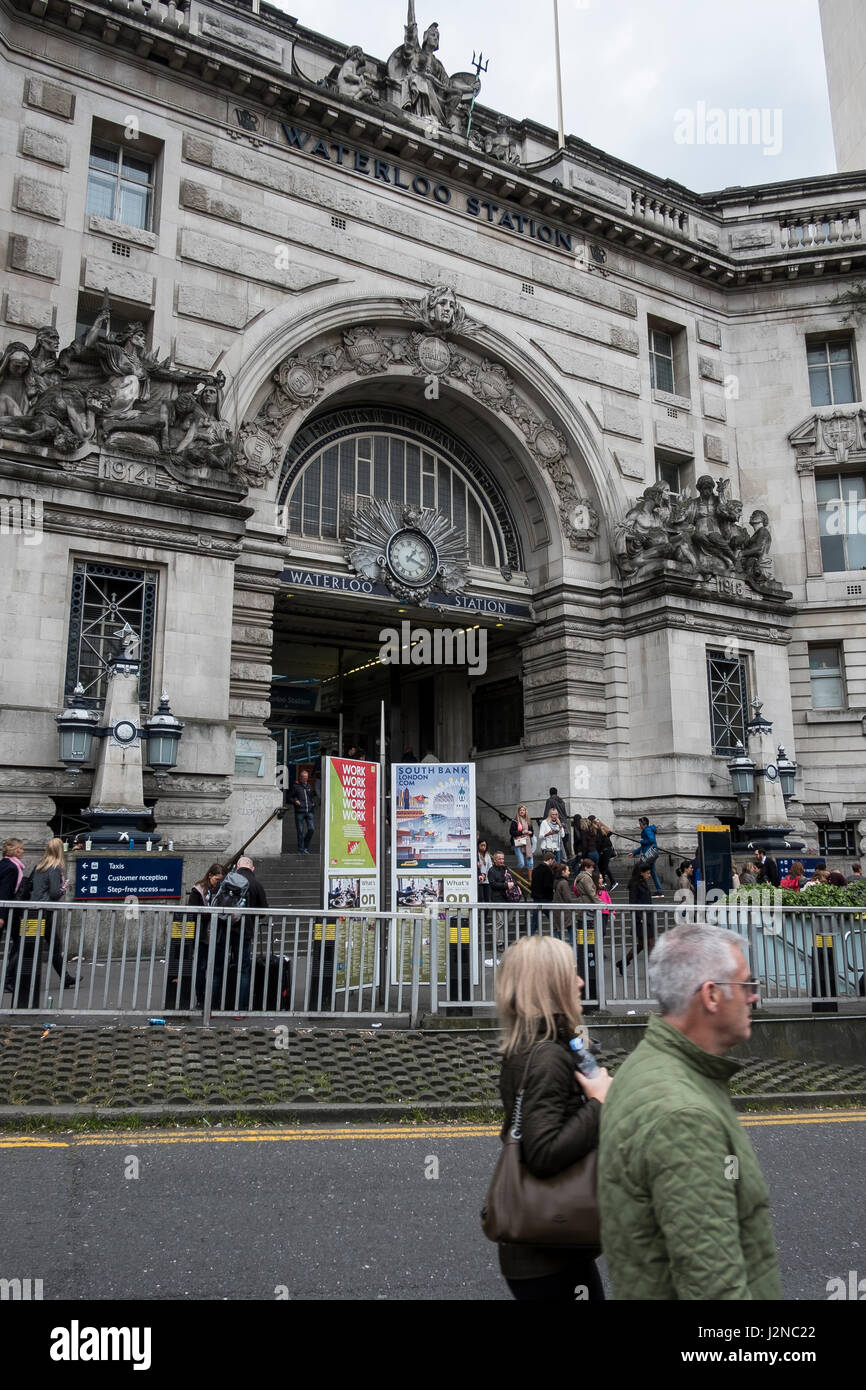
(108, 390)
(417, 83)
(702, 537)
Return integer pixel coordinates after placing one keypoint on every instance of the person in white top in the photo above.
(551, 834)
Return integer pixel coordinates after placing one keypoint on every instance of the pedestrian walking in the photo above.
(38, 926)
(589, 840)
(541, 886)
(768, 869)
(11, 874)
(796, 879)
(555, 803)
(606, 852)
(551, 834)
(684, 1206)
(648, 851)
(584, 883)
(538, 998)
(522, 839)
(483, 865)
(303, 800)
(201, 895)
(644, 922)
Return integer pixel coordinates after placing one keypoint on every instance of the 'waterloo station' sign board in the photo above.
(383, 171)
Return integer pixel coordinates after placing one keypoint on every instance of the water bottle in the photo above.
(583, 1059)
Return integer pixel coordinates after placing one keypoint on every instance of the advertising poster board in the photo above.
(433, 850)
(351, 863)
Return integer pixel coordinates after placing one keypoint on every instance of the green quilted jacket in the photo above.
(684, 1206)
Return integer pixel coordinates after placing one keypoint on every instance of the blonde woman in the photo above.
(49, 885)
(522, 838)
(538, 998)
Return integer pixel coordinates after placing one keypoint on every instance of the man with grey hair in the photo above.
(684, 1206)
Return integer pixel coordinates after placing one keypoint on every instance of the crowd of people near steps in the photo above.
(567, 861)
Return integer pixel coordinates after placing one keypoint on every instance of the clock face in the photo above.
(412, 557)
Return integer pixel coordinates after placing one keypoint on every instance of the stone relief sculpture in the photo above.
(432, 353)
(700, 536)
(108, 391)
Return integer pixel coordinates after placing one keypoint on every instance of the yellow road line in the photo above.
(135, 1139)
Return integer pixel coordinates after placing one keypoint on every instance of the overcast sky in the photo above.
(643, 81)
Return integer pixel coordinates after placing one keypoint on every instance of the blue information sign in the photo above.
(809, 866)
(123, 876)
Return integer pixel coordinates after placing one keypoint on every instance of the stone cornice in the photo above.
(656, 225)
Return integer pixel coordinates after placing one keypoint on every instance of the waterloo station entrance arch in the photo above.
(429, 481)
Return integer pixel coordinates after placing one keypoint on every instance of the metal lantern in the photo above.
(76, 727)
(787, 773)
(742, 770)
(163, 734)
(758, 724)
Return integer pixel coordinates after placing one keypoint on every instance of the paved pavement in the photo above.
(309, 1073)
(348, 1214)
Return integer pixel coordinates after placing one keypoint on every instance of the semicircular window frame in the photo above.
(316, 493)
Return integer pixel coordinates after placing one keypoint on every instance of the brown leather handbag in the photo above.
(524, 1210)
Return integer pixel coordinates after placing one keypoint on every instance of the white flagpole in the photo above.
(561, 127)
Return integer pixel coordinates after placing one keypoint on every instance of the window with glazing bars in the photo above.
(729, 701)
(104, 597)
(120, 186)
(345, 475)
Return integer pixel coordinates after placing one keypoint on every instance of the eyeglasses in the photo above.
(750, 986)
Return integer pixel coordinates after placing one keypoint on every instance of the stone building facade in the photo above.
(375, 311)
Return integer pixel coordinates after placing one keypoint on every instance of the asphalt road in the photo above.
(347, 1214)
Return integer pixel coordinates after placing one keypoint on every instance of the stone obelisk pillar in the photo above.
(117, 801)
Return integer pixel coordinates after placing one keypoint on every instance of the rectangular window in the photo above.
(89, 308)
(497, 714)
(670, 472)
(842, 520)
(837, 839)
(104, 597)
(661, 361)
(825, 673)
(120, 186)
(831, 370)
(729, 701)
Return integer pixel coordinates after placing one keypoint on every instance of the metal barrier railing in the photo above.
(161, 960)
(134, 959)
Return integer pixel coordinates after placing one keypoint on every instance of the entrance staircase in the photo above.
(291, 879)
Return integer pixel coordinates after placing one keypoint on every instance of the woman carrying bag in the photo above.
(556, 1113)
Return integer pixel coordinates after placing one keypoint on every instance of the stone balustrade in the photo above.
(808, 230)
(659, 213)
(171, 15)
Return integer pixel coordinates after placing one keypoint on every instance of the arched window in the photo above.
(338, 463)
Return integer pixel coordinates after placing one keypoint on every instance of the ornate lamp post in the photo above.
(763, 787)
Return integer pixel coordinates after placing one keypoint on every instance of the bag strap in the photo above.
(517, 1114)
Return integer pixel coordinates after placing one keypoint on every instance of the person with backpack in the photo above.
(234, 943)
(648, 852)
(202, 894)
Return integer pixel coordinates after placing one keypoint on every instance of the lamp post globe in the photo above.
(163, 733)
(76, 727)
